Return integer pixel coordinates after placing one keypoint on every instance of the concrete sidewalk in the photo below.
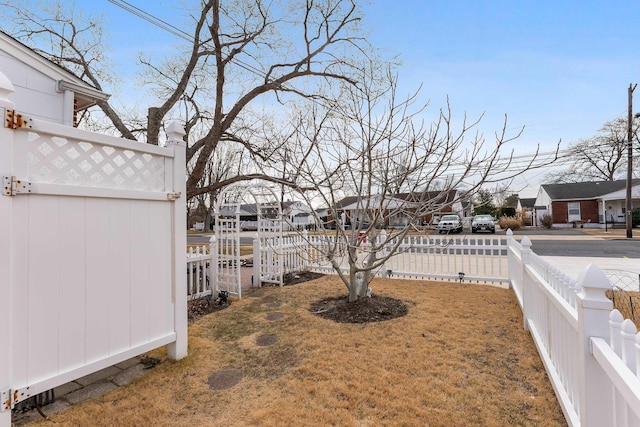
(573, 266)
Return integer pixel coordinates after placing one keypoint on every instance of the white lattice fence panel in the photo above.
(65, 161)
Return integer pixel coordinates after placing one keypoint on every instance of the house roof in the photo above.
(251, 208)
(346, 202)
(584, 190)
(85, 94)
(246, 209)
(443, 197)
(528, 202)
(435, 196)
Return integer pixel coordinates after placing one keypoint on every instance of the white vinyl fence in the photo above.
(91, 255)
(479, 259)
(592, 355)
(198, 276)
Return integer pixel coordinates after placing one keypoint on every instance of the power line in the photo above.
(154, 20)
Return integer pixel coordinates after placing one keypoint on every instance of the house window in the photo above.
(574, 209)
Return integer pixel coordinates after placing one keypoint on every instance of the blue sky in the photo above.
(560, 68)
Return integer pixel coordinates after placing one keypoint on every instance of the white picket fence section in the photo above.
(199, 284)
(479, 259)
(592, 355)
(288, 253)
(91, 255)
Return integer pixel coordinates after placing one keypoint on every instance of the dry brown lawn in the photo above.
(460, 357)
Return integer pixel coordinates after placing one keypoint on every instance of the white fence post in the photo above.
(257, 257)
(306, 251)
(175, 133)
(213, 266)
(596, 408)
(513, 264)
(6, 157)
(382, 240)
(526, 282)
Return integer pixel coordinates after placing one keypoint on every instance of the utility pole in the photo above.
(632, 87)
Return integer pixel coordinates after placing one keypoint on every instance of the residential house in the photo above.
(525, 209)
(397, 209)
(311, 219)
(599, 203)
(43, 89)
(295, 213)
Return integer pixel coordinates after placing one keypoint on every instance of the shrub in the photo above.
(510, 222)
(546, 221)
(635, 217)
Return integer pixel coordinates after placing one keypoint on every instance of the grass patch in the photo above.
(459, 357)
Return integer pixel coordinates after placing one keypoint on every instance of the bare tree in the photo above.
(374, 147)
(602, 157)
(236, 53)
(226, 162)
(503, 196)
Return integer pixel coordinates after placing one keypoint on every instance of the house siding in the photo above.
(588, 211)
(35, 92)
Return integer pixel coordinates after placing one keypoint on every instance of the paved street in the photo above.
(588, 248)
(573, 250)
(561, 242)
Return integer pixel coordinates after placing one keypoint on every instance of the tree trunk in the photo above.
(353, 284)
(154, 120)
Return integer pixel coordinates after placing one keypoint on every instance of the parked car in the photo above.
(483, 222)
(451, 223)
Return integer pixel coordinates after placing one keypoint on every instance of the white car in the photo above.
(449, 223)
